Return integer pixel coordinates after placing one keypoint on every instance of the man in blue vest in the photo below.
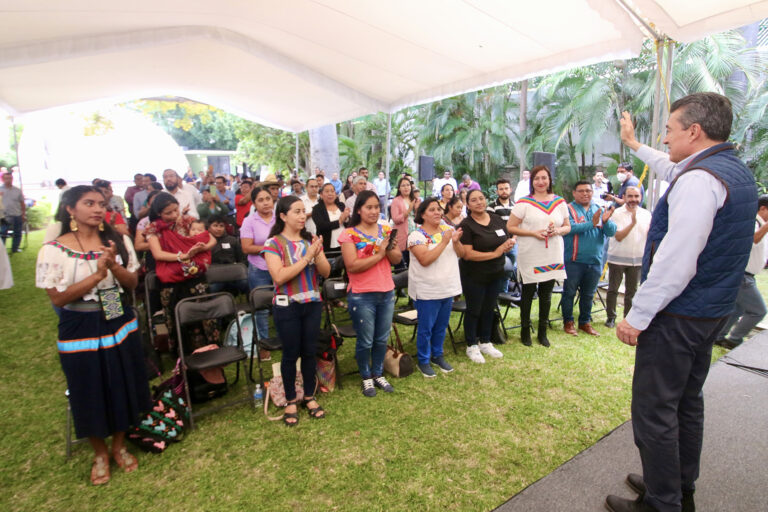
(697, 248)
(590, 226)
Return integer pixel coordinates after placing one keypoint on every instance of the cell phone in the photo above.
(281, 300)
(392, 239)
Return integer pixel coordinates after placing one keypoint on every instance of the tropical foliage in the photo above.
(570, 113)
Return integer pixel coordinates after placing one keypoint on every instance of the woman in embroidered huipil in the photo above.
(540, 220)
(85, 271)
(368, 258)
(433, 281)
(294, 259)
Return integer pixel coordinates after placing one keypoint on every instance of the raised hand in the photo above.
(628, 131)
(456, 235)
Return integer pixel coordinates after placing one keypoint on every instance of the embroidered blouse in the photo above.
(539, 261)
(59, 267)
(378, 278)
(303, 287)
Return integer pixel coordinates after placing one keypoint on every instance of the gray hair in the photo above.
(360, 179)
(711, 111)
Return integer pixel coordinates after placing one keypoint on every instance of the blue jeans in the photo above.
(371, 314)
(258, 277)
(433, 321)
(298, 325)
(584, 278)
(15, 223)
(750, 309)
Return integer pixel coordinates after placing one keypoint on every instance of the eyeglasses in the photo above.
(585, 191)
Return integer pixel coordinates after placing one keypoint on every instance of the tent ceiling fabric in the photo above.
(298, 64)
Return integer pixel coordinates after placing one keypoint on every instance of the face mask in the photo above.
(622, 177)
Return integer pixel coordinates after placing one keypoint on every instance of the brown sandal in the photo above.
(126, 461)
(100, 470)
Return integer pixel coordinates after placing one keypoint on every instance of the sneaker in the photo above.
(381, 383)
(368, 389)
(473, 353)
(489, 350)
(427, 371)
(610, 323)
(442, 364)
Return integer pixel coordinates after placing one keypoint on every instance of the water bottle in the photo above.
(258, 396)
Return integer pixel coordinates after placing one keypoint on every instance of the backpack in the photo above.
(246, 331)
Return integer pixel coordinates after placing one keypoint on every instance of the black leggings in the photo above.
(481, 303)
(545, 301)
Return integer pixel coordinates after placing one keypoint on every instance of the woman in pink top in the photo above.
(403, 211)
(368, 257)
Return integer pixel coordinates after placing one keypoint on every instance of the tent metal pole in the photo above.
(16, 149)
(389, 142)
(523, 123)
(296, 156)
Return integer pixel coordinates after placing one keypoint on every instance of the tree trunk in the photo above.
(523, 122)
(324, 150)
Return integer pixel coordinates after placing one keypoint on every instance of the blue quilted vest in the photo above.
(720, 267)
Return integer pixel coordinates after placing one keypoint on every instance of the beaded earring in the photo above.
(101, 226)
(72, 223)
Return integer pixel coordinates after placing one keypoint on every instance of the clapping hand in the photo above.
(608, 212)
(315, 248)
(456, 235)
(107, 258)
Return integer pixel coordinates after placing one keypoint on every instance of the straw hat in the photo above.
(269, 180)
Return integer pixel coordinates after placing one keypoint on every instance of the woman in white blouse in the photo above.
(433, 281)
(85, 271)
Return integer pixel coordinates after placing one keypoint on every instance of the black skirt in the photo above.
(106, 376)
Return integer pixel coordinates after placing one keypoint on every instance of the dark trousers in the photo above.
(16, 224)
(481, 303)
(545, 302)
(297, 326)
(631, 276)
(582, 278)
(671, 363)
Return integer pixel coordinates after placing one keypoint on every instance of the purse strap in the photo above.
(398, 345)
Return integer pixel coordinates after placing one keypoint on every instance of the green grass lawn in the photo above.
(465, 441)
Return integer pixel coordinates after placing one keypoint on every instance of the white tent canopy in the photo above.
(299, 64)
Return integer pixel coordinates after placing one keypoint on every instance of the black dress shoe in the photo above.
(617, 504)
(636, 483)
(610, 323)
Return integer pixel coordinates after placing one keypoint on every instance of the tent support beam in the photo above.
(16, 148)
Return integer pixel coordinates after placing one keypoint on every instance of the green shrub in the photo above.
(39, 215)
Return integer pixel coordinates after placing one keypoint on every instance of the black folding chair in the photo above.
(207, 307)
(156, 325)
(459, 306)
(226, 273)
(406, 316)
(260, 299)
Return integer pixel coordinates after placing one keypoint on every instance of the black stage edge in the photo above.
(734, 464)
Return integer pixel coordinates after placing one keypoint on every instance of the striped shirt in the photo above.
(302, 288)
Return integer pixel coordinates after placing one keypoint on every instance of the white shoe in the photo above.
(489, 350)
(473, 353)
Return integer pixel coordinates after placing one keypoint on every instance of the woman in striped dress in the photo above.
(540, 220)
(294, 259)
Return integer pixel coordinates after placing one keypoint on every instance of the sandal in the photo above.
(291, 416)
(316, 413)
(126, 461)
(100, 470)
